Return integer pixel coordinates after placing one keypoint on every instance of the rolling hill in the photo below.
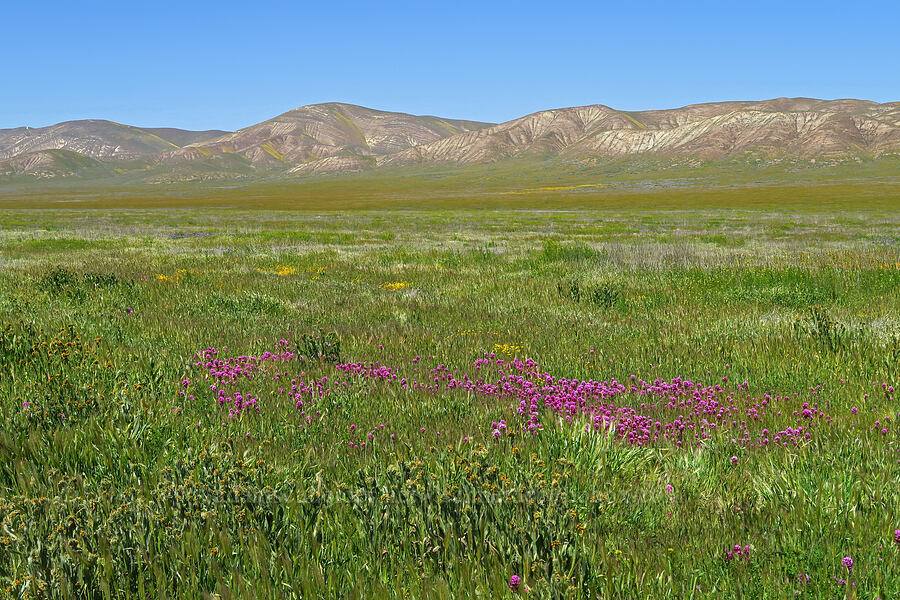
(798, 127)
(337, 137)
(52, 163)
(98, 139)
(320, 131)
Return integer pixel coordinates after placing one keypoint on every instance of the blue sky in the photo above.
(199, 65)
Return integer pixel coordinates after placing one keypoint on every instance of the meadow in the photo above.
(544, 393)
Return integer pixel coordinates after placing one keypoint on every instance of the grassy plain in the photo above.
(115, 484)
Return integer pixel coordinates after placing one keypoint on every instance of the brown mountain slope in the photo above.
(184, 137)
(336, 137)
(97, 139)
(318, 131)
(51, 163)
(798, 126)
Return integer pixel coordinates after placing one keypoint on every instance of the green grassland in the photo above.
(115, 485)
(231, 180)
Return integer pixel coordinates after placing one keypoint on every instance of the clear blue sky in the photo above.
(198, 64)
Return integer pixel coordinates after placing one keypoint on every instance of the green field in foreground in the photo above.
(442, 398)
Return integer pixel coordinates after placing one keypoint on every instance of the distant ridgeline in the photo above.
(341, 138)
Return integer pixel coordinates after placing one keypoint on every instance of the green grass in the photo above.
(103, 311)
(645, 181)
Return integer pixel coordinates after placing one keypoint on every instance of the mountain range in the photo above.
(336, 137)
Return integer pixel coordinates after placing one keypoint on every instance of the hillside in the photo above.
(344, 138)
(52, 163)
(319, 131)
(98, 139)
(797, 127)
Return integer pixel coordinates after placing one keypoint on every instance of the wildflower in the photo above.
(897, 536)
(848, 564)
(734, 460)
(514, 582)
(285, 270)
(669, 488)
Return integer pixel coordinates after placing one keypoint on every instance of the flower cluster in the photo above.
(179, 274)
(677, 412)
(738, 552)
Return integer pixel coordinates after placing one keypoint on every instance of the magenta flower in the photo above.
(897, 536)
(514, 582)
(848, 564)
(738, 552)
(679, 413)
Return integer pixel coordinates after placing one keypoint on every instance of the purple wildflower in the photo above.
(848, 564)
